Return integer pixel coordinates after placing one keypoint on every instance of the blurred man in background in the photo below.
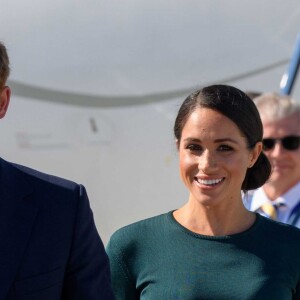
(279, 198)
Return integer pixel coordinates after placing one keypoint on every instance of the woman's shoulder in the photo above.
(285, 233)
(140, 235)
(141, 228)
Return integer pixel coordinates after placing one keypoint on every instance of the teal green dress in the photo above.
(158, 259)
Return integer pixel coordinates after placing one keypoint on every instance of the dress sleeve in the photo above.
(122, 282)
(87, 274)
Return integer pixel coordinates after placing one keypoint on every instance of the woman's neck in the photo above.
(214, 221)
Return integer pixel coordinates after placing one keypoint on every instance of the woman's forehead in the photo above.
(205, 120)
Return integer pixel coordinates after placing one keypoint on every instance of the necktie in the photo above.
(270, 210)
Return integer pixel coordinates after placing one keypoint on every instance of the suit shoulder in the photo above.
(42, 177)
(44, 189)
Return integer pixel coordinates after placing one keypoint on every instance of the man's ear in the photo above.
(4, 101)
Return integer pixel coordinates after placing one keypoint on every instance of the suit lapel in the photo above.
(17, 217)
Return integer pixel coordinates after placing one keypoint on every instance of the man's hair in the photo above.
(273, 107)
(4, 65)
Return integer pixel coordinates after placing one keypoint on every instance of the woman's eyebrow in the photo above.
(226, 140)
(196, 140)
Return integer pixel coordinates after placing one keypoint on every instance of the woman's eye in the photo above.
(194, 147)
(225, 148)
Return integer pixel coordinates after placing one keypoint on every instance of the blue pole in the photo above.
(288, 78)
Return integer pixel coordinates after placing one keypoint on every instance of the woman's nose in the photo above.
(207, 161)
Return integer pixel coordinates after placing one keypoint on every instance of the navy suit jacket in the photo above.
(49, 245)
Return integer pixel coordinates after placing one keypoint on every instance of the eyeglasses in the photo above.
(291, 142)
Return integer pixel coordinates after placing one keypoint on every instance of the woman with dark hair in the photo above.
(212, 247)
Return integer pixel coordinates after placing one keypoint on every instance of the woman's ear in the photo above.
(4, 101)
(255, 152)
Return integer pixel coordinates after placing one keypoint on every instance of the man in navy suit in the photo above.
(49, 245)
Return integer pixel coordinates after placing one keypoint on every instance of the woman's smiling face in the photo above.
(214, 158)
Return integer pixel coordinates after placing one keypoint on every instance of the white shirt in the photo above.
(290, 200)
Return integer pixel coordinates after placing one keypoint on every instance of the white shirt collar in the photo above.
(258, 199)
(291, 198)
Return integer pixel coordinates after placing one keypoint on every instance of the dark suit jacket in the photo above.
(49, 245)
